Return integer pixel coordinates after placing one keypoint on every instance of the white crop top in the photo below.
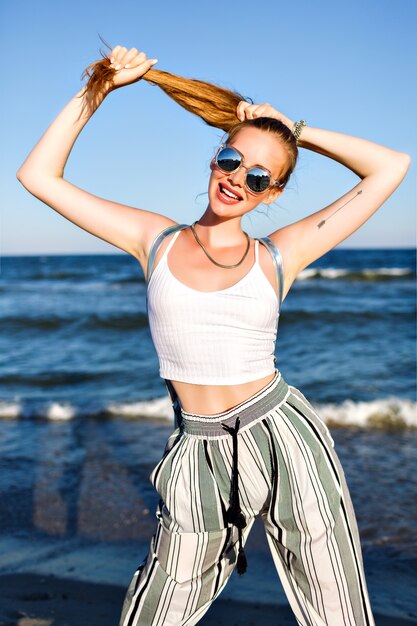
(222, 337)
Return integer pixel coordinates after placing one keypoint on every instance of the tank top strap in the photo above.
(257, 251)
(169, 246)
(279, 269)
(157, 242)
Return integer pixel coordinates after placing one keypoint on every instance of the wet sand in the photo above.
(35, 600)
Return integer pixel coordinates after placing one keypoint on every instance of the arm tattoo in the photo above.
(320, 224)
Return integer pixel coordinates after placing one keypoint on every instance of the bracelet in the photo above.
(297, 128)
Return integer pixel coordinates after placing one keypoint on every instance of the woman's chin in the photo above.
(224, 209)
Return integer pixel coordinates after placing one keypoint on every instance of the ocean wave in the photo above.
(54, 275)
(159, 408)
(85, 281)
(346, 315)
(54, 411)
(390, 413)
(128, 280)
(51, 378)
(25, 322)
(10, 409)
(139, 320)
(60, 412)
(118, 321)
(367, 274)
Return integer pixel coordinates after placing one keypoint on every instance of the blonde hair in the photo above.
(215, 105)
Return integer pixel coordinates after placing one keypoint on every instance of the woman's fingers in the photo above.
(116, 56)
(255, 110)
(248, 111)
(129, 65)
(129, 57)
(120, 57)
(241, 109)
(114, 52)
(144, 67)
(262, 109)
(135, 59)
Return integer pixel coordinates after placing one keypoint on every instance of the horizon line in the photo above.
(122, 253)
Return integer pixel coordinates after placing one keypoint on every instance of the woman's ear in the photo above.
(273, 194)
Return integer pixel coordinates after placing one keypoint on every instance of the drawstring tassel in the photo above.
(241, 563)
(234, 513)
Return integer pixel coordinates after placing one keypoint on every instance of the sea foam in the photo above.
(383, 413)
(333, 273)
(391, 412)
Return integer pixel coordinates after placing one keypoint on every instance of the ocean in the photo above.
(84, 416)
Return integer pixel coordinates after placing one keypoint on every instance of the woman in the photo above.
(246, 442)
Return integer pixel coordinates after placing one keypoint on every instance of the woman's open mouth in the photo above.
(225, 194)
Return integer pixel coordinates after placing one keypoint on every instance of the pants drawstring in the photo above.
(234, 513)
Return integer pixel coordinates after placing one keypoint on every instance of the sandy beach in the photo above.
(34, 600)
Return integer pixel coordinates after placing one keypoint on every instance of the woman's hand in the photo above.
(247, 111)
(129, 65)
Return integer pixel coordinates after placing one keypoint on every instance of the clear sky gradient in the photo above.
(348, 67)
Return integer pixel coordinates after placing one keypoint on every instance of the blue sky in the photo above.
(348, 67)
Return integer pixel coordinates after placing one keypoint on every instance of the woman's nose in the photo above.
(238, 177)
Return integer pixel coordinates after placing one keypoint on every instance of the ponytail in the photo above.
(213, 104)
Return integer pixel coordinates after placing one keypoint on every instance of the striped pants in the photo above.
(289, 473)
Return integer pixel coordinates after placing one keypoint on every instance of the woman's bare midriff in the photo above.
(211, 399)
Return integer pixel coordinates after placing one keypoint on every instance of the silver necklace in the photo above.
(211, 258)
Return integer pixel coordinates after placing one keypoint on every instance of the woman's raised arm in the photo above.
(380, 169)
(42, 173)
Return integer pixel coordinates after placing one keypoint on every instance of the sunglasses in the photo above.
(258, 179)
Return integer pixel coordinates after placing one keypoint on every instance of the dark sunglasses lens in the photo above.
(258, 180)
(228, 160)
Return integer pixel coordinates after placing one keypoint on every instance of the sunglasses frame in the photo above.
(272, 183)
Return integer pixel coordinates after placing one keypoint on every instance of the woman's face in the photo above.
(258, 148)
